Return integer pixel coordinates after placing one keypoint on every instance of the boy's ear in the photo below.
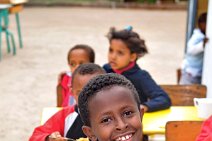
(141, 113)
(89, 133)
(133, 57)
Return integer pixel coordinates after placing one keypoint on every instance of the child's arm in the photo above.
(59, 89)
(157, 98)
(205, 41)
(59, 95)
(55, 124)
(195, 49)
(55, 136)
(196, 43)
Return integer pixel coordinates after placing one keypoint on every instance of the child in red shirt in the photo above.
(79, 54)
(67, 122)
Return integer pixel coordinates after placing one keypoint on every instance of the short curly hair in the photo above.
(86, 69)
(97, 84)
(90, 52)
(131, 39)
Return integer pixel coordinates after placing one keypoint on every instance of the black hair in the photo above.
(131, 39)
(99, 83)
(202, 18)
(88, 68)
(86, 48)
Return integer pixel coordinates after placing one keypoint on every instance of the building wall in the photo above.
(207, 66)
(202, 6)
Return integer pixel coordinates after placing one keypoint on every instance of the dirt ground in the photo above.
(28, 80)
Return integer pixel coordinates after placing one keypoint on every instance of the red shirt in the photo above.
(206, 131)
(68, 99)
(61, 122)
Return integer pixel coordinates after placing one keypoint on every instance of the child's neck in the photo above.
(130, 65)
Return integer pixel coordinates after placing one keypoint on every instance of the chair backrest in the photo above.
(183, 95)
(178, 73)
(182, 130)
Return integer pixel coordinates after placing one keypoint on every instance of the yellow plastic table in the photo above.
(155, 122)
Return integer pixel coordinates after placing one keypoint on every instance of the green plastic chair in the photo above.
(4, 21)
(15, 9)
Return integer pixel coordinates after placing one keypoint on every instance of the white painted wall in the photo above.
(207, 67)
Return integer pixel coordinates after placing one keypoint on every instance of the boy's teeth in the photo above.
(118, 139)
(123, 138)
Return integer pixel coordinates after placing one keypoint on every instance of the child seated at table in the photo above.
(125, 48)
(79, 54)
(67, 122)
(109, 107)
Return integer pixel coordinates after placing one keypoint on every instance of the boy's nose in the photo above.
(121, 124)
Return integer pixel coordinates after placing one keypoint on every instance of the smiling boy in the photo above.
(110, 109)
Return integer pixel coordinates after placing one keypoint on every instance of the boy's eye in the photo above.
(128, 113)
(106, 120)
(110, 50)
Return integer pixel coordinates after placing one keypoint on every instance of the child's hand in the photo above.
(55, 136)
(205, 41)
(82, 139)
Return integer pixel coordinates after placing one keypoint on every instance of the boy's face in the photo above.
(114, 116)
(78, 57)
(79, 82)
(119, 56)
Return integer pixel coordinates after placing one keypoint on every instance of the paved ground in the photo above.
(28, 80)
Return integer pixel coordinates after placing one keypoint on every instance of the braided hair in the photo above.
(130, 38)
(99, 83)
